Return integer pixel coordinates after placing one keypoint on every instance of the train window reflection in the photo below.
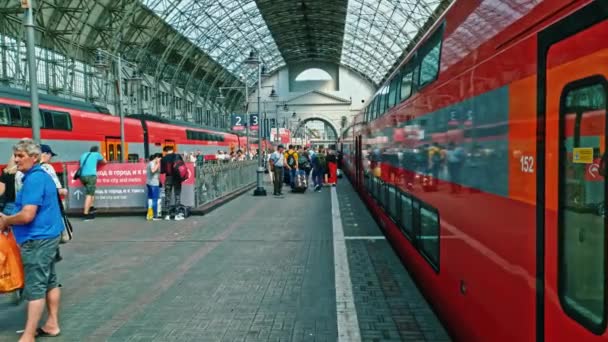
(429, 235)
(582, 206)
(429, 68)
(392, 94)
(406, 85)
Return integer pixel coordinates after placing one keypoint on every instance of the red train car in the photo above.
(72, 127)
(484, 160)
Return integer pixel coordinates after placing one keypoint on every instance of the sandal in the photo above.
(42, 333)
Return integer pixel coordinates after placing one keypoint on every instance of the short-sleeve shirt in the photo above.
(40, 190)
(294, 154)
(152, 178)
(51, 171)
(90, 167)
(278, 159)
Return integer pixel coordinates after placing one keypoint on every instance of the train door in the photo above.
(112, 150)
(572, 189)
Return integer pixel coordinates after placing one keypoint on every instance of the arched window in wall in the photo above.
(314, 74)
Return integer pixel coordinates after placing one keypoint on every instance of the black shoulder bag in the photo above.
(79, 171)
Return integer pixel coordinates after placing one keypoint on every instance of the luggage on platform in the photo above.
(301, 183)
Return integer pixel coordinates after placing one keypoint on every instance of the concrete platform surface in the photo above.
(255, 269)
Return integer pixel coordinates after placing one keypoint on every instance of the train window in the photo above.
(47, 119)
(4, 115)
(406, 85)
(372, 110)
(429, 65)
(26, 117)
(407, 215)
(15, 115)
(582, 202)
(392, 93)
(61, 120)
(391, 201)
(428, 240)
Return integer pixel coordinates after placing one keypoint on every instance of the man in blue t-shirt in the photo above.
(37, 225)
(88, 177)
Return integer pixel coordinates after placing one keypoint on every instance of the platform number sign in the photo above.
(254, 121)
(238, 122)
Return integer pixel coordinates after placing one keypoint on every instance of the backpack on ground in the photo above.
(183, 210)
(179, 170)
(291, 159)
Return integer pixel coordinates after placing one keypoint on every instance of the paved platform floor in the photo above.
(255, 269)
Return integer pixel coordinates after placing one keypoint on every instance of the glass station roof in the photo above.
(367, 36)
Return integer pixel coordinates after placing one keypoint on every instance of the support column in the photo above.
(31, 60)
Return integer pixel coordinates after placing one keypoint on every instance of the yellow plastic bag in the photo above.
(11, 267)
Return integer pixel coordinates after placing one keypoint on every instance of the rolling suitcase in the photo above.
(301, 183)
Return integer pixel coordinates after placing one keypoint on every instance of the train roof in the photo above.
(154, 118)
(46, 99)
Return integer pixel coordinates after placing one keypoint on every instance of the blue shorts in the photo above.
(39, 258)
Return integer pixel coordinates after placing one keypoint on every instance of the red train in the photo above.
(483, 158)
(72, 127)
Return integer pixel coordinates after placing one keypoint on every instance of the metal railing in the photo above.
(215, 180)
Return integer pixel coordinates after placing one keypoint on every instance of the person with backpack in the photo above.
(319, 164)
(291, 158)
(304, 161)
(173, 167)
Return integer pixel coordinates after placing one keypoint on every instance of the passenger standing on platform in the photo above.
(268, 166)
(37, 225)
(332, 167)
(277, 165)
(45, 160)
(7, 186)
(304, 161)
(318, 168)
(88, 177)
(153, 185)
(291, 157)
(173, 184)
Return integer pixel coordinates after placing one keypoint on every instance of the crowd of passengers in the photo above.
(297, 165)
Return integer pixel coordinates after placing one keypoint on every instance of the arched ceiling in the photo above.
(200, 45)
(367, 36)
